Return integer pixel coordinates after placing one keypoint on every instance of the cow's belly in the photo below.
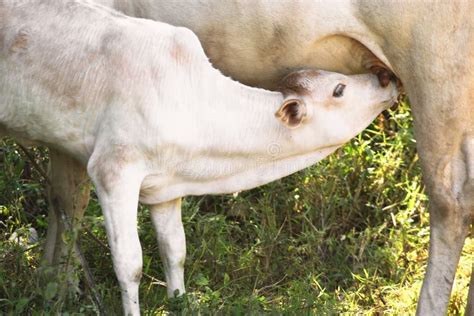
(259, 43)
(257, 66)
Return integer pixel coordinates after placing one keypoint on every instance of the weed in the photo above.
(346, 236)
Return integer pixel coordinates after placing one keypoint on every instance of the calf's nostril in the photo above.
(383, 74)
(384, 77)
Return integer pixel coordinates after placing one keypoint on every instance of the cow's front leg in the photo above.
(169, 229)
(118, 188)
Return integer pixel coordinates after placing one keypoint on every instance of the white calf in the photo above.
(428, 44)
(139, 104)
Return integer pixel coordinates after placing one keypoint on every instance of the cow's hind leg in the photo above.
(447, 156)
(470, 296)
(169, 229)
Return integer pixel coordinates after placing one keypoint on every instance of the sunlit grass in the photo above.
(346, 236)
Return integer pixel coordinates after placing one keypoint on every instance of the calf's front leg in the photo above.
(118, 188)
(169, 229)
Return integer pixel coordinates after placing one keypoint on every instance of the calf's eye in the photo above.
(339, 90)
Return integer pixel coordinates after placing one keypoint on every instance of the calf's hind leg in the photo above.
(68, 193)
(169, 229)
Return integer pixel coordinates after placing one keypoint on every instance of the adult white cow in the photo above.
(429, 45)
(107, 89)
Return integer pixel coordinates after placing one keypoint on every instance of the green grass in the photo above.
(346, 236)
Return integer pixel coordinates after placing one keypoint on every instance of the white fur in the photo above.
(428, 44)
(166, 218)
(139, 103)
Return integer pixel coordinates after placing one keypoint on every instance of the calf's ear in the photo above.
(292, 113)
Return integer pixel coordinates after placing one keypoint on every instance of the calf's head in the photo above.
(327, 109)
